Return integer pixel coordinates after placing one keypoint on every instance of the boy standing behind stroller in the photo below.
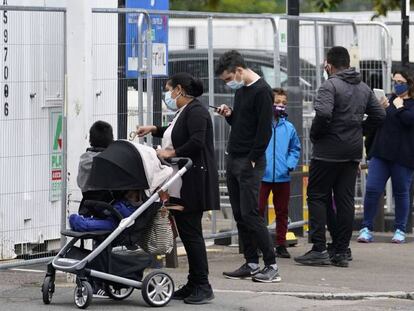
(282, 156)
(100, 137)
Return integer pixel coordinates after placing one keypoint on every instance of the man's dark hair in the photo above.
(338, 57)
(279, 91)
(100, 134)
(229, 61)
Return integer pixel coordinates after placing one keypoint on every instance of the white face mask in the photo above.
(325, 75)
(234, 84)
(170, 102)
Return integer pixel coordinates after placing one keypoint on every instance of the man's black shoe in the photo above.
(244, 272)
(314, 258)
(267, 275)
(183, 292)
(348, 254)
(201, 294)
(282, 252)
(331, 251)
(340, 260)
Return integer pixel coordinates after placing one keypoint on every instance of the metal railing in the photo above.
(266, 54)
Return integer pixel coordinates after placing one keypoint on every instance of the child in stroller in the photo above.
(123, 165)
(97, 216)
(126, 202)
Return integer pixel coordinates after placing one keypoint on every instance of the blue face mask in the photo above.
(170, 102)
(400, 88)
(235, 85)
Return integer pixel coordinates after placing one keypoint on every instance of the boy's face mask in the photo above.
(279, 111)
(279, 106)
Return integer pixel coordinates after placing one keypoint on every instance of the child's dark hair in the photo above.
(338, 57)
(119, 194)
(100, 134)
(229, 61)
(192, 86)
(279, 91)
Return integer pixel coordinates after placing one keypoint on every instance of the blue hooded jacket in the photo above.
(282, 153)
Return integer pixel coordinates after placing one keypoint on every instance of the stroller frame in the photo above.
(78, 267)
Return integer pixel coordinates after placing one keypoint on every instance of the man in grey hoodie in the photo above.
(337, 137)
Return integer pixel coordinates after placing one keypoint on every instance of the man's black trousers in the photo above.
(327, 179)
(243, 184)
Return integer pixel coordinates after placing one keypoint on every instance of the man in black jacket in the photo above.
(251, 130)
(337, 137)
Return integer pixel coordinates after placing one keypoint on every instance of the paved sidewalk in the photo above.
(379, 278)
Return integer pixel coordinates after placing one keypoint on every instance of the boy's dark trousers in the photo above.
(281, 194)
(243, 183)
(326, 178)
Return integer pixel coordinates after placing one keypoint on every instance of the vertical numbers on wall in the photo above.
(5, 63)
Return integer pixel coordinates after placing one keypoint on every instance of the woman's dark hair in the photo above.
(100, 134)
(192, 86)
(410, 81)
(229, 61)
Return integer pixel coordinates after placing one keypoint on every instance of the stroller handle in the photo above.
(177, 161)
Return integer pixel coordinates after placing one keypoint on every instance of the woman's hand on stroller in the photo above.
(166, 153)
(144, 130)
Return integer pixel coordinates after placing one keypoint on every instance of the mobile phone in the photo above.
(379, 93)
(215, 108)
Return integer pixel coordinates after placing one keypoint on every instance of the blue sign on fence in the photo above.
(159, 38)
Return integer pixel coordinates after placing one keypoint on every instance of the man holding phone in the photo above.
(251, 129)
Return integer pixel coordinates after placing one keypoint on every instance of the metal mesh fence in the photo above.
(32, 91)
(33, 62)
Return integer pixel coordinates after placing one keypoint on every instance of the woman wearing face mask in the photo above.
(392, 155)
(190, 134)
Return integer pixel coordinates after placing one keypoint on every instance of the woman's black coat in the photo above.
(394, 140)
(192, 137)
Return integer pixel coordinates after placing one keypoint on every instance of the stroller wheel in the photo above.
(118, 293)
(83, 294)
(48, 288)
(157, 289)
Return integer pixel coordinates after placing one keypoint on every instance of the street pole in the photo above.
(405, 33)
(122, 105)
(295, 107)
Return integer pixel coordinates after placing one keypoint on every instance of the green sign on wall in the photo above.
(55, 175)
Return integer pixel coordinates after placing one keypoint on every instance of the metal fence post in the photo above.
(64, 205)
(317, 56)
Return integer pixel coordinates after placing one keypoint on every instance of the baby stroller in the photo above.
(123, 165)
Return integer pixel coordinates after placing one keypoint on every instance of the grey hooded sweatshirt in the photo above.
(85, 166)
(340, 105)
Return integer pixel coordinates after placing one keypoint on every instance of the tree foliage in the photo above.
(381, 7)
(233, 6)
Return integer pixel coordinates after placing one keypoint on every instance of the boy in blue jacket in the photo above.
(282, 156)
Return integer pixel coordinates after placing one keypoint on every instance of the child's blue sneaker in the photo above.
(365, 236)
(399, 237)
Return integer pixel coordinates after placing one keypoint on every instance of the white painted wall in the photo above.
(35, 63)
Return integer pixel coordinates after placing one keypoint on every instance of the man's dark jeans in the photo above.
(325, 179)
(243, 184)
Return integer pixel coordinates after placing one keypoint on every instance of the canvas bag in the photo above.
(158, 237)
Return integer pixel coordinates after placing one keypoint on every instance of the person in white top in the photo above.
(190, 134)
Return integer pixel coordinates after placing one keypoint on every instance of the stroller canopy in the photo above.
(125, 165)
